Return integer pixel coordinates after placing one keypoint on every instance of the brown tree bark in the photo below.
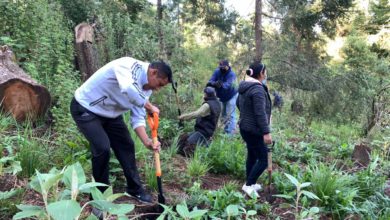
(258, 31)
(20, 95)
(87, 57)
(160, 32)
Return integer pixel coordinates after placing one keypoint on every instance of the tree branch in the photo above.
(270, 16)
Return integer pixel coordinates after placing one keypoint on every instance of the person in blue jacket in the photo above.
(223, 80)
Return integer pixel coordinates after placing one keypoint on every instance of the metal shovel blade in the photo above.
(161, 198)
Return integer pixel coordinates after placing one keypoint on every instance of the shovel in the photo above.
(174, 87)
(270, 189)
(153, 123)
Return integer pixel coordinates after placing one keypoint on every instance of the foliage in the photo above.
(226, 202)
(370, 180)
(63, 204)
(182, 212)
(300, 194)
(334, 189)
(226, 155)
(196, 166)
(9, 165)
(32, 156)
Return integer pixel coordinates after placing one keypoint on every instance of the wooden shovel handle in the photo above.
(269, 157)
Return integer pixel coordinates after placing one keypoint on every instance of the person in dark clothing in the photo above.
(254, 104)
(206, 123)
(278, 100)
(122, 85)
(223, 80)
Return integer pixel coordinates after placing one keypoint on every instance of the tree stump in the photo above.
(361, 155)
(87, 57)
(297, 107)
(20, 95)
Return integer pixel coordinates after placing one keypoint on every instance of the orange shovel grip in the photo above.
(153, 124)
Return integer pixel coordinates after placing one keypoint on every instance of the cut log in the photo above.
(20, 95)
(87, 56)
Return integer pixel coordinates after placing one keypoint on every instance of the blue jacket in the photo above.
(227, 90)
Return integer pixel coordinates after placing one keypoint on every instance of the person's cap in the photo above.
(210, 91)
(223, 63)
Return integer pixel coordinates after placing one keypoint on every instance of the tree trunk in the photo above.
(159, 28)
(87, 57)
(377, 108)
(20, 95)
(258, 31)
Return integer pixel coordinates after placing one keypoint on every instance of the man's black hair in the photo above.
(164, 70)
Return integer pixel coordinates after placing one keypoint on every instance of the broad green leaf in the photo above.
(251, 212)
(96, 194)
(304, 214)
(28, 211)
(108, 192)
(183, 210)
(34, 184)
(85, 188)
(28, 207)
(292, 179)
(121, 209)
(306, 184)
(14, 167)
(8, 194)
(310, 195)
(64, 210)
(113, 197)
(314, 210)
(4, 160)
(103, 205)
(48, 180)
(92, 217)
(75, 184)
(69, 172)
(232, 210)
(284, 196)
(68, 175)
(197, 213)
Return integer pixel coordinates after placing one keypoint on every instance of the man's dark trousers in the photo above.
(103, 133)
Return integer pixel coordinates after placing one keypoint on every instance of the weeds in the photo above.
(197, 166)
(335, 189)
(63, 204)
(300, 213)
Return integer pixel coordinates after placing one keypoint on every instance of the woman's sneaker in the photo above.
(250, 191)
(257, 187)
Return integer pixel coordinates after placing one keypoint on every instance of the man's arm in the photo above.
(138, 115)
(202, 111)
(128, 84)
(151, 108)
(141, 133)
(213, 79)
(229, 80)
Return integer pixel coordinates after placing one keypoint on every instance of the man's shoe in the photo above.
(142, 197)
(97, 212)
(257, 187)
(250, 191)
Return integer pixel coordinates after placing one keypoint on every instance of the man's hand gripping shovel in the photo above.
(153, 124)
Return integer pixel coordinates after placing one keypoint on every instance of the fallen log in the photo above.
(20, 95)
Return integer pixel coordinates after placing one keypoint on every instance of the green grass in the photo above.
(197, 166)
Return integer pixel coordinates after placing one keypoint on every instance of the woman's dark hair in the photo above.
(255, 69)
